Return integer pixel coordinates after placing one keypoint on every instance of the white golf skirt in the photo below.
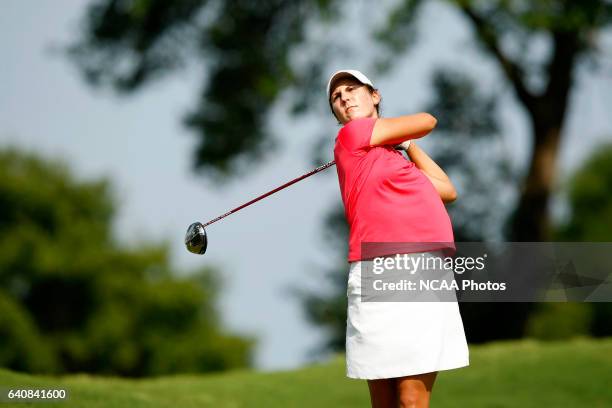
(396, 339)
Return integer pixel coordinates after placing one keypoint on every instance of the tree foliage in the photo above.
(590, 200)
(327, 310)
(590, 218)
(73, 300)
(245, 48)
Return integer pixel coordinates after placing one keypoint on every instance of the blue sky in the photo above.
(140, 144)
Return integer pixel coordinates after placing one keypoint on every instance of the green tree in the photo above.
(590, 220)
(73, 300)
(590, 200)
(245, 48)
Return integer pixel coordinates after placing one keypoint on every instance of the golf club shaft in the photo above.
(287, 184)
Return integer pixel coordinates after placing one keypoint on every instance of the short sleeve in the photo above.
(355, 136)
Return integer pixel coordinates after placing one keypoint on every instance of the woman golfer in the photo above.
(397, 346)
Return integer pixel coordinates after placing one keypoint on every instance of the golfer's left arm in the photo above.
(434, 173)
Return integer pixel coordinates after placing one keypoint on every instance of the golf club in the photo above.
(196, 239)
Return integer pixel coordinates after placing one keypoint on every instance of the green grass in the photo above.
(526, 373)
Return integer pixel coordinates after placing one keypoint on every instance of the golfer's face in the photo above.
(351, 99)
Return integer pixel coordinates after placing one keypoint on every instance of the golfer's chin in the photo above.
(354, 115)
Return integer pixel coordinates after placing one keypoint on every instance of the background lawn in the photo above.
(527, 373)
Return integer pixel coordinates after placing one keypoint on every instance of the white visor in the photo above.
(352, 72)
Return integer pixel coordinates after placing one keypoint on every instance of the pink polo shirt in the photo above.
(387, 199)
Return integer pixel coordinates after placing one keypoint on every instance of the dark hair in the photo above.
(371, 89)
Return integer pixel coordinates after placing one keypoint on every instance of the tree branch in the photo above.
(488, 37)
(560, 68)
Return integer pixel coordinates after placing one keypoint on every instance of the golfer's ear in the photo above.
(391, 131)
(376, 97)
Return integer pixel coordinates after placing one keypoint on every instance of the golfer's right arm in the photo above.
(391, 131)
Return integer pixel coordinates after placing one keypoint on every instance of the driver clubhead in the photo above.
(195, 239)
